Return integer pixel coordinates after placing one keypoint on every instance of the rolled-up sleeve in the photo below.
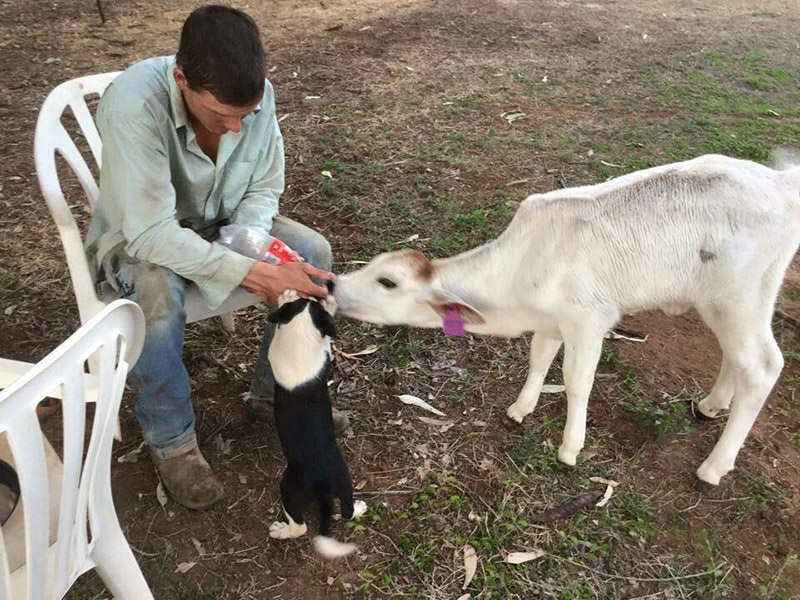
(136, 181)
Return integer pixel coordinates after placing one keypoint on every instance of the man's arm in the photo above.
(136, 181)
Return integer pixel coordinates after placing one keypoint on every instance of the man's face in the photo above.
(212, 114)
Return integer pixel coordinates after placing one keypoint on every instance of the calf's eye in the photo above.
(387, 283)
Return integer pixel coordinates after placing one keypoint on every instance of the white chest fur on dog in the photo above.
(299, 351)
(714, 233)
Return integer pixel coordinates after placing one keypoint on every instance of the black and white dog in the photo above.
(300, 355)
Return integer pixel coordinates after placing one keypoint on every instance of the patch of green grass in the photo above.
(610, 357)
(470, 101)
(779, 586)
(535, 448)
(759, 492)
(716, 563)
(664, 419)
(469, 229)
(770, 79)
(5, 279)
(727, 84)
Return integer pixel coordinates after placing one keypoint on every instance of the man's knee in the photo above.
(320, 252)
(158, 293)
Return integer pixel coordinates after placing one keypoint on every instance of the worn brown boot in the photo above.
(264, 411)
(189, 480)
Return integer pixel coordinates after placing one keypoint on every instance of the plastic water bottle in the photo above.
(253, 242)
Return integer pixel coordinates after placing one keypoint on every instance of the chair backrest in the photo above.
(115, 335)
(51, 137)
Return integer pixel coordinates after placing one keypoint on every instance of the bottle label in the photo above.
(282, 252)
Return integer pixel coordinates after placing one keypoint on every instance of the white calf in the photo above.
(713, 233)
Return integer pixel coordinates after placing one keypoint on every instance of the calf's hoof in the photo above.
(702, 486)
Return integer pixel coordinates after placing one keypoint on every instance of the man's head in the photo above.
(220, 67)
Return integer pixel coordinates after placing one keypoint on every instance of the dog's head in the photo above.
(319, 313)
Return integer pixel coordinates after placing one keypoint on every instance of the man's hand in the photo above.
(267, 281)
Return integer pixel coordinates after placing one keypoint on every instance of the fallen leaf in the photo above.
(604, 481)
(435, 422)
(553, 389)
(486, 464)
(327, 174)
(161, 495)
(517, 558)
(10, 310)
(132, 457)
(544, 79)
(513, 116)
(185, 566)
(242, 479)
(364, 352)
(465, 597)
(470, 564)
(223, 445)
(199, 547)
(610, 485)
(408, 399)
(615, 335)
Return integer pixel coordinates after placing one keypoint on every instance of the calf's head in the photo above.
(399, 288)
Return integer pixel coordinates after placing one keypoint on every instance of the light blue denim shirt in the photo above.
(157, 187)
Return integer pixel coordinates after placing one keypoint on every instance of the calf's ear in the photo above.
(442, 302)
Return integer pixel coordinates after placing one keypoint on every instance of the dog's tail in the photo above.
(329, 548)
(326, 546)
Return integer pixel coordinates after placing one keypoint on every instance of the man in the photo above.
(191, 143)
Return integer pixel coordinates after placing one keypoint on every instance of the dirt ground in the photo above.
(406, 105)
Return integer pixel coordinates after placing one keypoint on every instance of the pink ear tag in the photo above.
(453, 323)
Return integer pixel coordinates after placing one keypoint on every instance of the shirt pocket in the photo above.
(236, 179)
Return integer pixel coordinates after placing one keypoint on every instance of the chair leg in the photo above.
(117, 566)
(228, 322)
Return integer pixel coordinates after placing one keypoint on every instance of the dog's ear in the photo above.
(287, 311)
(323, 321)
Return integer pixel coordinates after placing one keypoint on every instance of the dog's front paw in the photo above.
(287, 296)
(359, 509)
(285, 531)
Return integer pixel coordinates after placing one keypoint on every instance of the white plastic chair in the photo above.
(115, 335)
(50, 138)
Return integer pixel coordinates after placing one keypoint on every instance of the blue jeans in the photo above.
(159, 378)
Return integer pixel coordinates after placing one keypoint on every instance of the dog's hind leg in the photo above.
(292, 506)
(325, 515)
(351, 509)
(346, 500)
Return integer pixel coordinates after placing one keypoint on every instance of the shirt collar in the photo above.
(176, 100)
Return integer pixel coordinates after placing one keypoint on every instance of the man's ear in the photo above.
(287, 311)
(180, 78)
(323, 321)
(442, 302)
